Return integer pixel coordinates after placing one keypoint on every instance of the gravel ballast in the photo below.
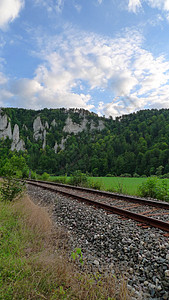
(112, 243)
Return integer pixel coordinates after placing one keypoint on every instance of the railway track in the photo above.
(146, 212)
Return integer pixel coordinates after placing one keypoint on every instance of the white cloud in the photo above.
(77, 64)
(134, 5)
(9, 11)
(51, 5)
(78, 7)
(3, 78)
(59, 5)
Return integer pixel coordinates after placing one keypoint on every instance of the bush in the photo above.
(136, 175)
(12, 171)
(61, 179)
(11, 188)
(153, 188)
(33, 175)
(125, 175)
(45, 176)
(78, 178)
(94, 185)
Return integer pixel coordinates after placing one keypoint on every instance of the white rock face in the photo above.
(44, 139)
(72, 127)
(56, 147)
(38, 129)
(46, 125)
(53, 123)
(75, 128)
(5, 127)
(61, 145)
(101, 125)
(17, 144)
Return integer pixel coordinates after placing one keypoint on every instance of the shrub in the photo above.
(154, 189)
(61, 179)
(78, 178)
(33, 175)
(12, 171)
(94, 185)
(136, 175)
(45, 176)
(125, 175)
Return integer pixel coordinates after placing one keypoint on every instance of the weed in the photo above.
(77, 254)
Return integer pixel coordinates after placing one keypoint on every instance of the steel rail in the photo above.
(111, 209)
(154, 203)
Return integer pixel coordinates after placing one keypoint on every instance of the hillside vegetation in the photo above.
(136, 144)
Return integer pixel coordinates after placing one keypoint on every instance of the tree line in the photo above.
(136, 144)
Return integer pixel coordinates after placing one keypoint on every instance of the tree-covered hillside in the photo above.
(135, 143)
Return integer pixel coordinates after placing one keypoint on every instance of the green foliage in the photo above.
(45, 176)
(154, 189)
(77, 255)
(136, 175)
(135, 143)
(78, 178)
(125, 175)
(12, 171)
(159, 171)
(60, 179)
(11, 188)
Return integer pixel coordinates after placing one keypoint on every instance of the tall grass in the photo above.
(34, 263)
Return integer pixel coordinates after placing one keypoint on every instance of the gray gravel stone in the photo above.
(114, 244)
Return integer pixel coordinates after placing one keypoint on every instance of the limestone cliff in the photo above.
(17, 143)
(53, 131)
(5, 126)
(75, 128)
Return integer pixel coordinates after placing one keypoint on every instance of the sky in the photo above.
(110, 57)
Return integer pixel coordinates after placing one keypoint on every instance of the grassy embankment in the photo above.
(33, 262)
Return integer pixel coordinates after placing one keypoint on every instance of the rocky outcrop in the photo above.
(41, 129)
(5, 126)
(100, 127)
(61, 145)
(46, 125)
(44, 139)
(75, 128)
(17, 143)
(53, 123)
(38, 129)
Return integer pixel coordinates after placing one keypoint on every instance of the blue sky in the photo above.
(107, 56)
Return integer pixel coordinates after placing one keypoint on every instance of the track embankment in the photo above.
(113, 243)
(151, 212)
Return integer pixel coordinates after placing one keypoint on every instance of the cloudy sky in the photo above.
(107, 56)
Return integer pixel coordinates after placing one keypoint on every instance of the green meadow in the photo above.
(123, 185)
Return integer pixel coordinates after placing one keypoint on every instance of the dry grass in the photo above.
(48, 272)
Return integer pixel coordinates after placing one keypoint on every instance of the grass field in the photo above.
(124, 185)
(119, 184)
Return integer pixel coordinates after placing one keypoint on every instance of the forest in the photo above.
(136, 144)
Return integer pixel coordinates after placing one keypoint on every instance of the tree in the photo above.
(12, 171)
